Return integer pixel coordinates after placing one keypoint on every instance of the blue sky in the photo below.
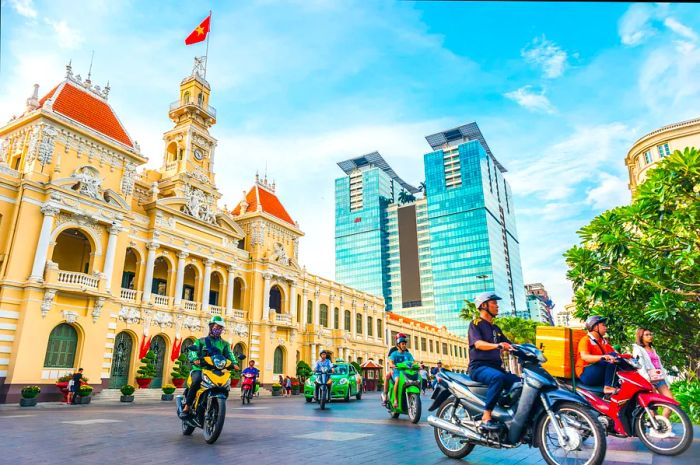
(560, 91)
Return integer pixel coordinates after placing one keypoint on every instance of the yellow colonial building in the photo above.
(651, 148)
(99, 261)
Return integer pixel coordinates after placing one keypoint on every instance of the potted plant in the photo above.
(235, 377)
(83, 394)
(276, 389)
(62, 384)
(147, 371)
(127, 393)
(295, 386)
(180, 371)
(168, 391)
(29, 394)
(303, 371)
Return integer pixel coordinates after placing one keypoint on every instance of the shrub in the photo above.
(30, 392)
(168, 389)
(303, 370)
(85, 390)
(148, 369)
(127, 389)
(687, 393)
(180, 370)
(67, 377)
(276, 387)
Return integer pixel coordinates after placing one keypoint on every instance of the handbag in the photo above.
(656, 375)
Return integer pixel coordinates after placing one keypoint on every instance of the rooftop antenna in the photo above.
(92, 57)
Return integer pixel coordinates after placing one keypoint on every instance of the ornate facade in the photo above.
(99, 261)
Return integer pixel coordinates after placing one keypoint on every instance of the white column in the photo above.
(109, 256)
(42, 247)
(150, 261)
(229, 290)
(317, 307)
(293, 300)
(207, 284)
(180, 278)
(314, 354)
(266, 296)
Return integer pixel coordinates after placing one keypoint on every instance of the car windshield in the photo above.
(341, 370)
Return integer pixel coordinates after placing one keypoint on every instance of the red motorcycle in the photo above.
(247, 387)
(636, 410)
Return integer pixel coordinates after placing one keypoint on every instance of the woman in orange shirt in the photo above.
(595, 356)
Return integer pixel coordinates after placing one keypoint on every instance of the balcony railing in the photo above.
(130, 295)
(211, 111)
(216, 310)
(283, 318)
(74, 278)
(190, 306)
(239, 314)
(161, 300)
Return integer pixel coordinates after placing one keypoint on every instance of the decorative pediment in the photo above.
(199, 205)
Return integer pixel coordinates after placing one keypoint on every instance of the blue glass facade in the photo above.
(467, 241)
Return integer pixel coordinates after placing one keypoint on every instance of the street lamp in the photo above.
(483, 278)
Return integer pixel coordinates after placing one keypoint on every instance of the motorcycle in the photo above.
(248, 387)
(408, 392)
(636, 410)
(536, 412)
(323, 386)
(209, 406)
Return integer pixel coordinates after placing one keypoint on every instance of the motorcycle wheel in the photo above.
(548, 441)
(243, 397)
(187, 429)
(452, 446)
(414, 407)
(394, 414)
(308, 399)
(214, 420)
(668, 440)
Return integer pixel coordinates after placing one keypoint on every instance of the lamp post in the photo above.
(483, 277)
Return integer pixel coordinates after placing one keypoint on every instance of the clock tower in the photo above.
(189, 148)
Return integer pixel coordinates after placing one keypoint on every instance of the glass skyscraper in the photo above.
(455, 242)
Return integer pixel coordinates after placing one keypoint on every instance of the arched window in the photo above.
(309, 312)
(324, 315)
(183, 350)
(380, 333)
(336, 318)
(370, 328)
(276, 299)
(298, 309)
(186, 97)
(72, 251)
(200, 99)
(347, 320)
(358, 323)
(239, 349)
(278, 367)
(60, 352)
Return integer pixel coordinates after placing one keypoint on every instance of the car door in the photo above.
(352, 382)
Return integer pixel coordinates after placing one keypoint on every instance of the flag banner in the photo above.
(200, 32)
(176, 349)
(145, 345)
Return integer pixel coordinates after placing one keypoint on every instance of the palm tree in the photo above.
(406, 197)
(421, 187)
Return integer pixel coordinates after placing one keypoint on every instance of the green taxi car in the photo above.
(346, 381)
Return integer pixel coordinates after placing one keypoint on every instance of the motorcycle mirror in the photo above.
(240, 357)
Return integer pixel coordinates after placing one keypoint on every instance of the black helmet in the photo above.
(592, 321)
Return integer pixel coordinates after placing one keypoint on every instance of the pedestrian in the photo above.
(434, 371)
(69, 395)
(288, 386)
(76, 384)
(652, 369)
(281, 381)
(423, 378)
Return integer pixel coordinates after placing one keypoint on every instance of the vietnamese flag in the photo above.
(200, 32)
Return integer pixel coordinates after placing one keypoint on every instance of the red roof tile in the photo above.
(91, 111)
(268, 201)
(403, 319)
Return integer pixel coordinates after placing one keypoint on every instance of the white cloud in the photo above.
(528, 98)
(67, 37)
(635, 25)
(681, 29)
(546, 54)
(24, 8)
(612, 191)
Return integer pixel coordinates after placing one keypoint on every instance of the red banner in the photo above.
(176, 349)
(200, 32)
(145, 345)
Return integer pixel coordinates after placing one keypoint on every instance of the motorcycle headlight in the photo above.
(343, 381)
(308, 382)
(220, 363)
(206, 381)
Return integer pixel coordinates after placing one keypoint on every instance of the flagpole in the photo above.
(206, 54)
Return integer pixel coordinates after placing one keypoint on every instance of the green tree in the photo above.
(640, 264)
(421, 187)
(180, 369)
(406, 197)
(303, 371)
(518, 330)
(148, 367)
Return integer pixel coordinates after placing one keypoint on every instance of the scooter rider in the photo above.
(486, 340)
(253, 371)
(400, 356)
(323, 362)
(595, 356)
(214, 345)
(387, 377)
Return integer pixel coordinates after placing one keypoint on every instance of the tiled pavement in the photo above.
(271, 430)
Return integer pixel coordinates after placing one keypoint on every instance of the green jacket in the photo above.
(196, 350)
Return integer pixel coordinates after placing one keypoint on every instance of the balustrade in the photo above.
(283, 318)
(161, 300)
(216, 310)
(130, 295)
(74, 278)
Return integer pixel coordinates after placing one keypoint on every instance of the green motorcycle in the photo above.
(408, 392)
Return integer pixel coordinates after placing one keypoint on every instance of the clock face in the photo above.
(198, 155)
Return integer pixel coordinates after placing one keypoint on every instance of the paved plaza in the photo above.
(270, 430)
